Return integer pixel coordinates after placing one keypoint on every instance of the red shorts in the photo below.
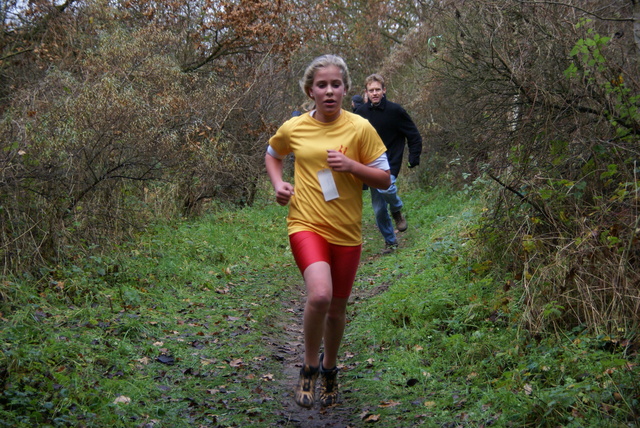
(309, 248)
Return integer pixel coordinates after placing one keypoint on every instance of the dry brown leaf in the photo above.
(372, 418)
(236, 363)
(122, 399)
(207, 361)
(528, 389)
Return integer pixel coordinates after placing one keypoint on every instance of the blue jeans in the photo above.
(379, 201)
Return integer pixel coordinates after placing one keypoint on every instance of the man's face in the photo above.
(375, 91)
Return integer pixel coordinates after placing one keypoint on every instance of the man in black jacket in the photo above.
(395, 127)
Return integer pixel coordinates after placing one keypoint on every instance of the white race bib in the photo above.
(328, 185)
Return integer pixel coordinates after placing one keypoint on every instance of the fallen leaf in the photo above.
(236, 363)
(372, 418)
(412, 382)
(385, 404)
(166, 359)
(429, 403)
(122, 399)
(207, 361)
(267, 377)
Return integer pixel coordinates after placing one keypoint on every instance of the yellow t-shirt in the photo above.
(339, 221)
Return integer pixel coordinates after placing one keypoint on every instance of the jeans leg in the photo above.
(391, 197)
(383, 220)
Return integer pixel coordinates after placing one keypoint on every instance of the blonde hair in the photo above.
(320, 62)
(374, 78)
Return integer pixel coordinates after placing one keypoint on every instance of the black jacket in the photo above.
(394, 125)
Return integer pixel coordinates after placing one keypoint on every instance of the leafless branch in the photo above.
(595, 15)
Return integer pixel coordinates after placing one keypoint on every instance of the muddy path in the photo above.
(288, 349)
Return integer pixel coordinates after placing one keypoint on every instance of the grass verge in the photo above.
(169, 332)
(442, 345)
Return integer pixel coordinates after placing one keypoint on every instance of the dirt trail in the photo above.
(289, 350)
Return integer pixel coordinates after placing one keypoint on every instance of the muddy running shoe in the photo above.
(305, 389)
(401, 222)
(328, 385)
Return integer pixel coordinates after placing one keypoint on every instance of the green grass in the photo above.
(444, 343)
(199, 295)
(176, 330)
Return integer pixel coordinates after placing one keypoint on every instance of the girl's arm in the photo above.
(284, 190)
(369, 175)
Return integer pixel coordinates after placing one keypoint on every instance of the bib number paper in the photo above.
(328, 185)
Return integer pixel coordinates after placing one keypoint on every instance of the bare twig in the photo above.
(595, 15)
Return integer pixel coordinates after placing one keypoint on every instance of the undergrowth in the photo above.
(168, 332)
(445, 341)
(176, 328)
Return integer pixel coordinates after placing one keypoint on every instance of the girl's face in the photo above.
(327, 91)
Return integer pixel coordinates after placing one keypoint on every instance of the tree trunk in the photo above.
(636, 24)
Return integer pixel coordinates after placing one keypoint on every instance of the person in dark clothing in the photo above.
(395, 127)
(356, 101)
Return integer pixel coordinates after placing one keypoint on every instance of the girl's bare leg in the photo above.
(317, 278)
(333, 331)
